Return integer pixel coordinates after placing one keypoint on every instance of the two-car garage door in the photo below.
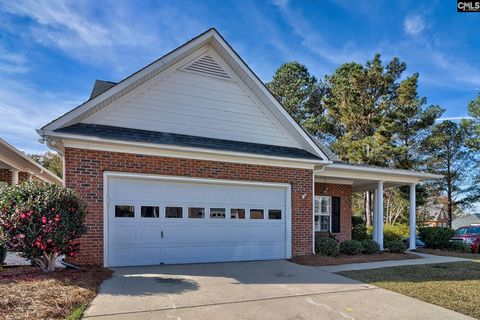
(153, 220)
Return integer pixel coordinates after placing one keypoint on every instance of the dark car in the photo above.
(470, 235)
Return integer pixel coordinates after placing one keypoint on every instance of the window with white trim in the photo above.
(323, 213)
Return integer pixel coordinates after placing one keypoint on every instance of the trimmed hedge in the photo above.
(359, 228)
(395, 232)
(459, 247)
(351, 247)
(327, 247)
(370, 247)
(395, 246)
(436, 237)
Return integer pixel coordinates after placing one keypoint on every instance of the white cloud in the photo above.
(24, 109)
(316, 43)
(414, 25)
(106, 33)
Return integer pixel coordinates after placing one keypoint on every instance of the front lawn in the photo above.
(319, 260)
(455, 286)
(28, 293)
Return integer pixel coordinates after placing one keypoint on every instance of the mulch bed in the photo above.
(318, 260)
(28, 293)
(438, 252)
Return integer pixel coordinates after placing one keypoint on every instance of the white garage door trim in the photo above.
(108, 174)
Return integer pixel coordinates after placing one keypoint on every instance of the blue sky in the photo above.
(52, 51)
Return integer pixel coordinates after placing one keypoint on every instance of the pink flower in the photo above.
(22, 216)
(44, 220)
(21, 236)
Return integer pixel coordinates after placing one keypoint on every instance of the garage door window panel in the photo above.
(174, 212)
(150, 212)
(237, 214)
(196, 213)
(274, 214)
(124, 211)
(217, 213)
(256, 214)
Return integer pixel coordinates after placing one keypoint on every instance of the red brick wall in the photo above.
(344, 191)
(84, 173)
(5, 176)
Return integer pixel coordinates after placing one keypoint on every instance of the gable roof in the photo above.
(164, 138)
(218, 43)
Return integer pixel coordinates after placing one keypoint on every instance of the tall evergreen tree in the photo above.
(446, 153)
(358, 101)
(297, 90)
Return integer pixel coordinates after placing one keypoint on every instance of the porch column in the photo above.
(379, 201)
(14, 177)
(375, 218)
(412, 217)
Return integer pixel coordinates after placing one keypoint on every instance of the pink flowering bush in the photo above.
(42, 221)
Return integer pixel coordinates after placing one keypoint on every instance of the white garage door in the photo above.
(154, 221)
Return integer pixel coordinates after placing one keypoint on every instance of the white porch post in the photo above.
(379, 201)
(412, 217)
(375, 218)
(14, 177)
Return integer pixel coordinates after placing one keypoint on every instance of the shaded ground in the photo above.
(267, 290)
(318, 260)
(455, 286)
(449, 253)
(28, 293)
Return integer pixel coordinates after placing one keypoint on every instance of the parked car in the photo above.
(469, 235)
(418, 243)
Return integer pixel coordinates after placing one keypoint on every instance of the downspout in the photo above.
(52, 144)
(313, 206)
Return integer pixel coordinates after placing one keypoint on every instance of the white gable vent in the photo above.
(207, 65)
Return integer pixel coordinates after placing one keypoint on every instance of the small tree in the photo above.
(42, 221)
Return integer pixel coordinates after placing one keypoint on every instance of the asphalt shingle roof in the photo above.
(144, 136)
(100, 87)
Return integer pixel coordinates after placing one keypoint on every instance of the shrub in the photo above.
(395, 246)
(351, 247)
(359, 228)
(326, 247)
(395, 232)
(370, 247)
(436, 237)
(42, 221)
(459, 247)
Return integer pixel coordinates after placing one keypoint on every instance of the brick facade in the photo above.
(84, 173)
(6, 176)
(344, 191)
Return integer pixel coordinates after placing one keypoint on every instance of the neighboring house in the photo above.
(466, 220)
(192, 159)
(437, 216)
(16, 167)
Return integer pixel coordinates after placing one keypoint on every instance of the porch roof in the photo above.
(366, 177)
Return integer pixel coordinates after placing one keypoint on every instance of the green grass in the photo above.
(77, 313)
(455, 286)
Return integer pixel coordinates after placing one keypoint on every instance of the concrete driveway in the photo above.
(250, 290)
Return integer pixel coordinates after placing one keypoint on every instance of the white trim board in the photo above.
(190, 153)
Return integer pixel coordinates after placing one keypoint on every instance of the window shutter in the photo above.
(335, 214)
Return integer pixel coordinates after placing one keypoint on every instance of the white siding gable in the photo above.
(199, 96)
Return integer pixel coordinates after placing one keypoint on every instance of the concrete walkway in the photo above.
(267, 290)
(426, 259)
